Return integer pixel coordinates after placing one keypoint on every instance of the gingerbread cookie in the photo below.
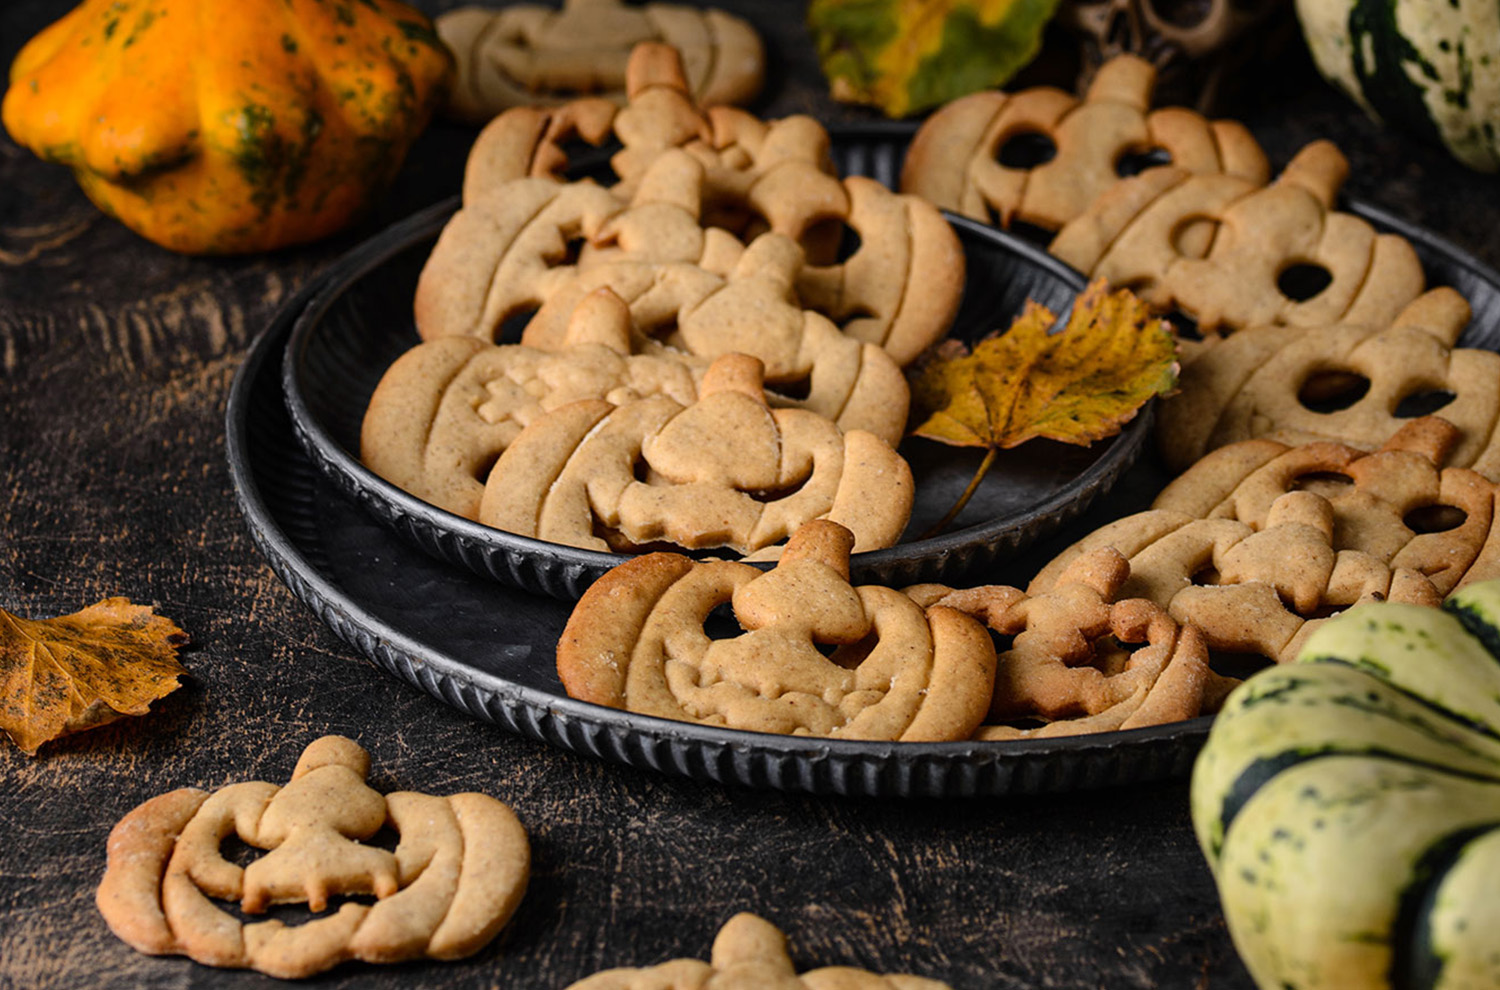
(1068, 666)
(445, 411)
(1259, 540)
(505, 254)
(1298, 385)
(637, 641)
(452, 882)
(527, 55)
(725, 471)
(1130, 236)
(955, 160)
(749, 953)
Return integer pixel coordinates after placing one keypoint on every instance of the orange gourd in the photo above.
(217, 128)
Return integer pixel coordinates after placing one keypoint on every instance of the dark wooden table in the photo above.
(115, 361)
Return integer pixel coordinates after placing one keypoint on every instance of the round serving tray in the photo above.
(360, 323)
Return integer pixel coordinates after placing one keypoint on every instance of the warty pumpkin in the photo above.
(228, 127)
(1349, 802)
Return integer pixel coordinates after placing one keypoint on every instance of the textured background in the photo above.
(115, 362)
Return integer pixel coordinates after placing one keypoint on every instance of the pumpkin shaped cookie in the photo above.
(749, 953)
(1130, 236)
(526, 55)
(724, 471)
(1259, 540)
(637, 640)
(660, 114)
(452, 882)
(955, 161)
(446, 409)
(505, 254)
(1069, 665)
(1298, 385)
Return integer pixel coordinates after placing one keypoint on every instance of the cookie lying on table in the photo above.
(528, 55)
(452, 882)
(749, 953)
(637, 640)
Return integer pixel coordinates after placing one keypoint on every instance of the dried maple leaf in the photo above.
(71, 673)
(1080, 384)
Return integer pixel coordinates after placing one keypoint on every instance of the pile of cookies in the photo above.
(1287, 506)
(699, 364)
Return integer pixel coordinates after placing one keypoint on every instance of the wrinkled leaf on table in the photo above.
(906, 56)
(74, 672)
(1078, 385)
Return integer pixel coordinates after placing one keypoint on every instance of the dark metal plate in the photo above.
(354, 329)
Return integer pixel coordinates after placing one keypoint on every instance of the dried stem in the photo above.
(963, 500)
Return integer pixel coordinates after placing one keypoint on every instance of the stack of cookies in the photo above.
(697, 364)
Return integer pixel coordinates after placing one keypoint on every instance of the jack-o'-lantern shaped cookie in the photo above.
(444, 412)
(455, 877)
(725, 471)
(1349, 383)
(505, 254)
(1259, 540)
(533, 55)
(637, 640)
(749, 953)
(957, 159)
(1082, 658)
(1264, 239)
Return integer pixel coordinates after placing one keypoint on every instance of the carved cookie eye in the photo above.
(1027, 149)
(1423, 402)
(1134, 162)
(1303, 281)
(1435, 518)
(1330, 390)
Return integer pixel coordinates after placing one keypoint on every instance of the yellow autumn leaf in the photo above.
(74, 672)
(906, 56)
(1080, 384)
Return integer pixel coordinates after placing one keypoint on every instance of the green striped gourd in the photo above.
(1349, 803)
(1429, 67)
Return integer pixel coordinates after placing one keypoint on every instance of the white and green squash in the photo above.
(1349, 803)
(1429, 67)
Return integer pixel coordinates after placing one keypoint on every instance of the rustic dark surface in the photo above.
(115, 361)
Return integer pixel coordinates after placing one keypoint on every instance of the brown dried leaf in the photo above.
(1076, 386)
(74, 672)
